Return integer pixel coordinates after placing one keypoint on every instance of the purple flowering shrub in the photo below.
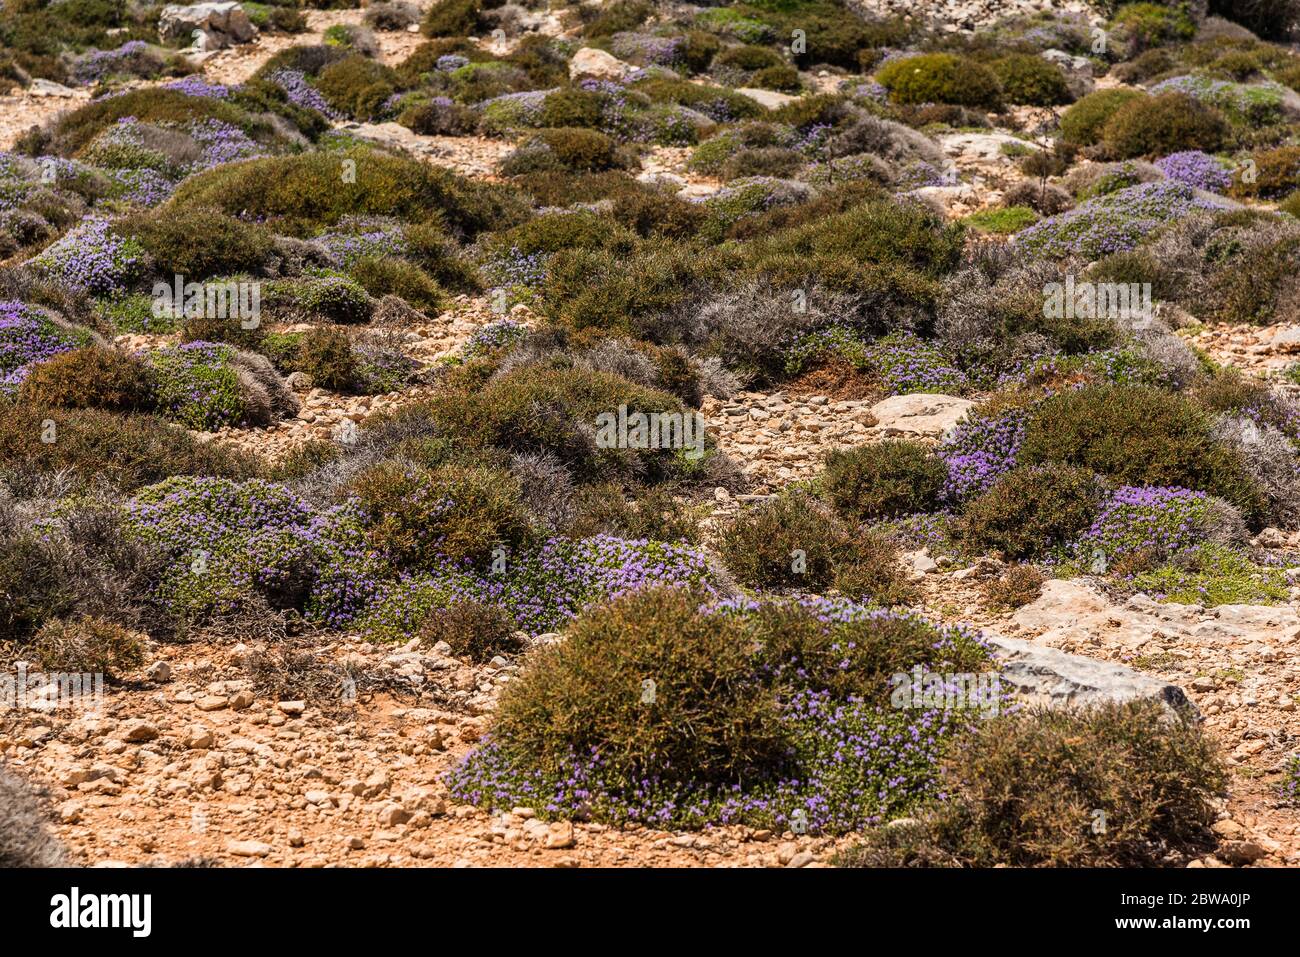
(1116, 222)
(26, 338)
(777, 714)
(493, 336)
(901, 361)
(92, 258)
(541, 587)
(299, 91)
(1160, 521)
(232, 543)
(981, 449)
(197, 385)
(355, 238)
(1197, 170)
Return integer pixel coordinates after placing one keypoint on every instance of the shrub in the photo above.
(305, 192)
(122, 451)
(1270, 19)
(1010, 219)
(87, 646)
(1030, 511)
(793, 542)
(1144, 25)
(883, 480)
(1196, 169)
(711, 720)
(1160, 125)
(1026, 78)
(416, 516)
(1115, 222)
(452, 18)
(72, 131)
(579, 150)
(1139, 436)
(473, 630)
(323, 299)
(198, 243)
(940, 78)
(1025, 789)
(571, 108)
(1018, 586)
(357, 86)
(397, 277)
(649, 514)
(25, 838)
(326, 356)
(90, 378)
(1275, 176)
(655, 709)
(440, 117)
(1084, 122)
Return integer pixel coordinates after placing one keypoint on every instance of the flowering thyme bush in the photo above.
(26, 338)
(659, 711)
(541, 587)
(1289, 788)
(980, 450)
(1196, 169)
(299, 91)
(1256, 104)
(1160, 521)
(232, 542)
(92, 258)
(901, 361)
(1113, 223)
(197, 385)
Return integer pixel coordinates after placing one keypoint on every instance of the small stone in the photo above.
(248, 848)
(296, 838)
(211, 703)
(292, 708)
(786, 852)
(198, 738)
(559, 836)
(159, 671)
(137, 732)
(241, 700)
(802, 859)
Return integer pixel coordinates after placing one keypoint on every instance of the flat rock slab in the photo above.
(1045, 676)
(919, 415)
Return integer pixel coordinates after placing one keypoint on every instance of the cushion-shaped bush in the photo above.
(452, 18)
(357, 86)
(197, 243)
(1143, 25)
(1156, 781)
(319, 299)
(1275, 174)
(940, 78)
(1031, 511)
(1140, 436)
(304, 192)
(1026, 78)
(1111, 223)
(794, 541)
(122, 451)
(883, 480)
(1164, 124)
(89, 378)
(29, 336)
(1084, 121)
(473, 630)
(381, 276)
(87, 645)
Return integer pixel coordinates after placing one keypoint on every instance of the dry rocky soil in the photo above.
(226, 754)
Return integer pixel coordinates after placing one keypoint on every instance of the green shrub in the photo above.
(747, 58)
(584, 151)
(1026, 78)
(1026, 790)
(1083, 122)
(579, 229)
(792, 541)
(883, 480)
(87, 646)
(1152, 24)
(452, 18)
(1010, 219)
(712, 722)
(1158, 126)
(324, 299)
(198, 243)
(553, 408)
(419, 517)
(326, 356)
(1018, 586)
(1031, 511)
(571, 107)
(301, 194)
(90, 378)
(1137, 435)
(650, 513)
(1275, 176)
(73, 130)
(232, 330)
(651, 212)
(357, 86)
(940, 78)
(122, 451)
(397, 277)
(474, 630)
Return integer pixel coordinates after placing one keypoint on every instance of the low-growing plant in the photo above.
(883, 480)
(1030, 511)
